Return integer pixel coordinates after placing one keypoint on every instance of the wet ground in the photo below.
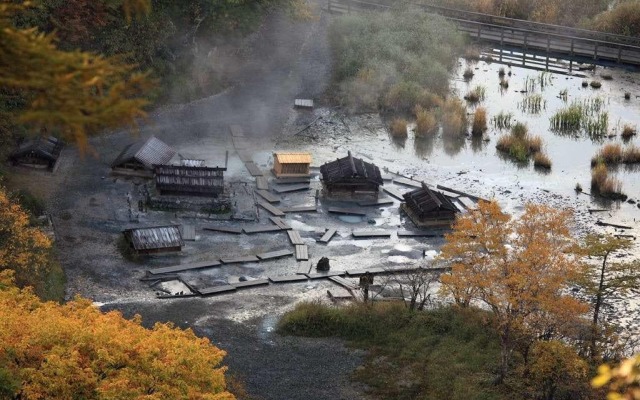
(289, 60)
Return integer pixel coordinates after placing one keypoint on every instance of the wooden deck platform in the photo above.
(288, 278)
(224, 229)
(280, 223)
(253, 169)
(302, 252)
(370, 234)
(262, 183)
(272, 255)
(294, 237)
(184, 267)
(328, 235)
(291, 188)
(273, 210)
(324, 275)
(393, 192)
(346, 211)
(250, 284)
(240, 260)
(268, 196)
(249, 230)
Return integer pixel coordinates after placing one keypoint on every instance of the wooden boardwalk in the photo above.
(294, 237)
(184, 267)
(346, 211)
(302, 252)
(273, 210)
(268, 196)
(571, 43)
(328, 235)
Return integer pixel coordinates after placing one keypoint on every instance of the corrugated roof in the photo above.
(148, 152)
(293, 158)
(157, 237)
(189, 179)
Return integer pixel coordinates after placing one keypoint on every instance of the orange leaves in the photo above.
(75, 351)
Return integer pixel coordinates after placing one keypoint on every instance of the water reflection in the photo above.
(423, 146)
(453, 144)
(478, 143)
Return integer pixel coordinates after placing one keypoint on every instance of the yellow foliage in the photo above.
(75, 351)
(23, 249)
(622, 381)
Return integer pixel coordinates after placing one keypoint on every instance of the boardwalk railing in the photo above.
(553, 39)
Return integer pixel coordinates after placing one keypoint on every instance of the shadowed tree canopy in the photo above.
(73, 93)
(74, 351)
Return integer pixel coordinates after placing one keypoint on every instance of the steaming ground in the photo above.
(284, 60)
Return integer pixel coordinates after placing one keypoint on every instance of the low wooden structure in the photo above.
(157, 239)
(350, 174)
(189, 181)
(139, 158)
(40, 153)
(427, 207)
(292, 165)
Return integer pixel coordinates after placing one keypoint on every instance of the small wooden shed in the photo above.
(40, 153)
(350, 174)
(427, 207)
(157, 239)
(139, 158)
(189, 181)
(287, 165)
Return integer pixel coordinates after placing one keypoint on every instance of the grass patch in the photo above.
(476, 95)
(628, 132)
(446, 353)
(479, 125)
(587, 116)
(454, 118)
(426, 123)
(542, 161)
(502, 120)
(410, 61)
(533, 104)
(519, 144)
(613, 154)
(605, 185)
(398, 128)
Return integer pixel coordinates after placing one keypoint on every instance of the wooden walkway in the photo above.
(571, 43)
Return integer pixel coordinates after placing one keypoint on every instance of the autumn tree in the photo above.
(622, 381)
(607, 280)
(73, 93)
(556, 371)
(74, 351)
(520, 269)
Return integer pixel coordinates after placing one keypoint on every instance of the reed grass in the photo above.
(586, 116)
(519, 144)
(609, 154)
(426, 123)
(604, 184)
(533, 104)
(454, 117)
(628, 132)
(479, 125)
(399, 128)
(477, 94)
(502, 120)
(541, 160)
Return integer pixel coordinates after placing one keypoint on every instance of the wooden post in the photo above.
(525, 41)
(548, 45)
(572, 44)
(502, 39)
(619, 54)
(595, 52)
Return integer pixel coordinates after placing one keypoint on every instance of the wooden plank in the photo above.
(302, 252)
(281, 223)
(299, 209)
(393, 192)
(613, 225)
(324, 275)
(346, 211)
(303, 103)
(467, 203)
(240, 260)
(188, 232)
(262, 183)
(344, 283)
(447, 193)
(429, 234)
(379, 202)
(288, 278)
(291, 188)
(304, 268)
(184, 267)
(294, 237)
(240, 143)
(407, 182)
(292, 181)
(261, 229)
(360, 272)
(328, 235)
(216, 290)
(236, 130)
(370, 234)
(253, 169)
(275, 254)
(461, 193)
(225, 229)
(268, 196)
(273, 210)
(244, 156)
(250, 284)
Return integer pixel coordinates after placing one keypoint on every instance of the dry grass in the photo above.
(476, 95)
(628, 132)
(610, 154)
(631, 155)
(534, 143)
(603, 184)
(472, 53)
(519, 144)
(426, 123)
(479, 125)
(454, 117)
(541, 160)
(399, 128)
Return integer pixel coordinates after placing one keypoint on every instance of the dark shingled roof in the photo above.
(45, 147)
(425, 200)
(148, 152)
(350, 168)
(189, 179)
(157, 237)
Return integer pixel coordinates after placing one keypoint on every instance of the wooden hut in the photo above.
(350, 174)
(40, 153)
(157, 239)
(426, 207)
(139, 158)
(189, 181)
(289, 165)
